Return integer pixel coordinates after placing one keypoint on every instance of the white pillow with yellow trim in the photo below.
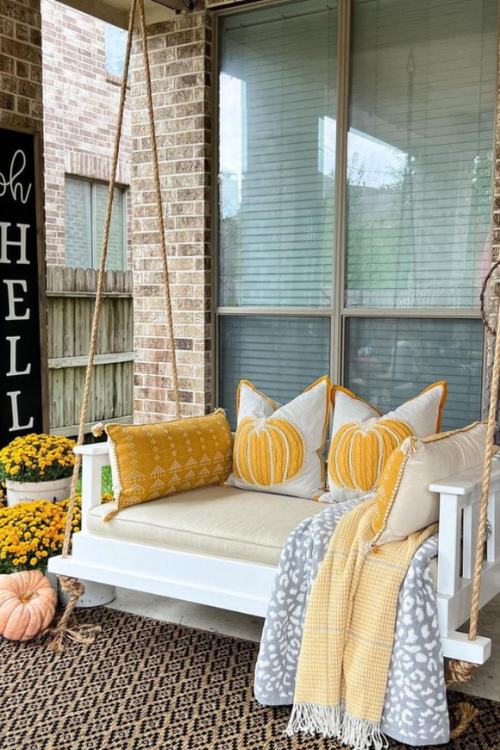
(363, 439)
(280, 449)
(405, 503)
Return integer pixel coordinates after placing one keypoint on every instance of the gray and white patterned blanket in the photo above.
(415, 710)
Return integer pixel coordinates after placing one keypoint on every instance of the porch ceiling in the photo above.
(116, 11)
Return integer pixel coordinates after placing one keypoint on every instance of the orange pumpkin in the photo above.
(27, 604)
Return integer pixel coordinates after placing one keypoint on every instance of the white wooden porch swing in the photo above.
(468, 564)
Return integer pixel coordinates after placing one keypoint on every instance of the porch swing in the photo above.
(215, 574)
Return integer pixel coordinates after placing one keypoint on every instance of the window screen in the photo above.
(85, 207)
(419, 176)
(117, 242)
(277, 147)
(391, 360)
(280, 355)
(78, 223)
(415, 135)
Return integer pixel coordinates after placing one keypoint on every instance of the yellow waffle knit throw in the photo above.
(348, 634)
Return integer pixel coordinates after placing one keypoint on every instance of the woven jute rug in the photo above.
(148, 685)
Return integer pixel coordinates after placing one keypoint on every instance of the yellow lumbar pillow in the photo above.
(363, 439)
(405, 503)
(155, 460)
(281, 448)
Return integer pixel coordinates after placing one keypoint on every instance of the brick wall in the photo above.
(20, 64)
(180, 60)
(80, 103)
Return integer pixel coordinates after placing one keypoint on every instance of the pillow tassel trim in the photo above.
(403, 454)
(117, 482)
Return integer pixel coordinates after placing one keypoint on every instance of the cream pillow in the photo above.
(280, 449)
(363, 439)
(404, 502)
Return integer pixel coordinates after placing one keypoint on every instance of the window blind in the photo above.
(116, 258)
(85, 208)
(77, 223)
(280, 355)
(277, 147)
(420, 152)
(391, 360)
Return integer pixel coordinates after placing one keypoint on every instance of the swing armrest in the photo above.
(93, 449)
(459, 501)
(94, 458)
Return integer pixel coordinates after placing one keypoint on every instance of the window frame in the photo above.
(338, 313)
(94, 248)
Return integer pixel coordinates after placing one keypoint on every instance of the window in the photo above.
(355, 225)
(85, 207)
(115, 44)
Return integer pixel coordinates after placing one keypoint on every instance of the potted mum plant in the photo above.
(32, 532)
(37, 466)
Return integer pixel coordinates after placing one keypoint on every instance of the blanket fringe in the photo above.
(336, 723)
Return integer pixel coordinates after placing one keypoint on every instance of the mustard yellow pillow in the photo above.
(280, 449)
(363, 439)
(405, 504)
(155, 460)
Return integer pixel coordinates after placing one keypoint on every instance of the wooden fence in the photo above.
(71, 298)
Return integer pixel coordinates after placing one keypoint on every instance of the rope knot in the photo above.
(67, 629)
(460, 672)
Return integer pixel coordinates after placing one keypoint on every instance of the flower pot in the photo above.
(19, 492)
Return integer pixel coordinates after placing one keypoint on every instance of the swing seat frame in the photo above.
(244, 586)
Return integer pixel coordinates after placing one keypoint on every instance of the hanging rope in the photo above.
(466, 715)
(83, 634)
(65, 629)
(461, 671)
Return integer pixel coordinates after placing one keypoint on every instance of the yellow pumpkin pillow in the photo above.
(405, 503)
(362, 439)
(154, 460)
(280, 449)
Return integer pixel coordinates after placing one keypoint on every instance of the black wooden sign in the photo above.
(21, 384)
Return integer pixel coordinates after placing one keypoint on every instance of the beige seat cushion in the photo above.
(221, 521)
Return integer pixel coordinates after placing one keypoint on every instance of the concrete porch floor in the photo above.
(486, 682)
